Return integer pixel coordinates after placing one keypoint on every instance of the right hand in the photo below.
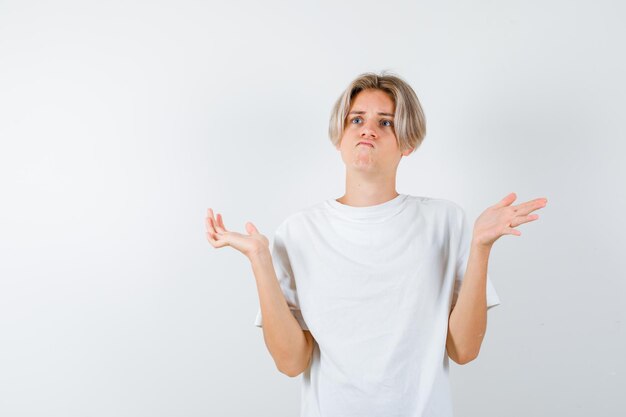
(218, 236)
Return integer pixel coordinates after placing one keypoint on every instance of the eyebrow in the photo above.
(362, 112)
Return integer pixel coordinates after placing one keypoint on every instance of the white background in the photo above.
(122, 121)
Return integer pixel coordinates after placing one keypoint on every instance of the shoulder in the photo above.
(440, 206)
(301, 217)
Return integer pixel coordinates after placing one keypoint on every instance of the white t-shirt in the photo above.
(374, 286)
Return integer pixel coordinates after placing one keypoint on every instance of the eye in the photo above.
(354, 118)
(389, 121)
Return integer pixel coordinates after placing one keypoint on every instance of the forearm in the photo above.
(468, 320)
(283, 335)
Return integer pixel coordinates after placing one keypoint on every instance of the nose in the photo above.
(368, 131)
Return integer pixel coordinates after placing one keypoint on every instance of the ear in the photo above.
(407, 152)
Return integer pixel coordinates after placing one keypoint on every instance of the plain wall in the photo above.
(121, 122)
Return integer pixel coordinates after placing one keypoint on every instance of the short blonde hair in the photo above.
(409, 120)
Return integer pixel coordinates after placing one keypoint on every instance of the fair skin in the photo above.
(467, 322)
(370, 170)
(370, 180)
(291, 347)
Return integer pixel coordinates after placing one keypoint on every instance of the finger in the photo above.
(507, 201)
(211, 215)
(215, 241)
(220, 222)
(215, 226)
(537, 202)
(523, 219)
(212, 226)
(530, 206)
(211, 237)
(219, 228)
(207, 223)
(511, 231)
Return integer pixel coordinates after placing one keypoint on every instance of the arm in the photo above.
(290, 346)
(468, 320)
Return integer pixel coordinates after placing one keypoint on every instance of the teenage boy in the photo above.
(362, 294)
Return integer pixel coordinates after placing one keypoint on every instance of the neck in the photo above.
(363, 190)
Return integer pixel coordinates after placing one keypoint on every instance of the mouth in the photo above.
(365, 144)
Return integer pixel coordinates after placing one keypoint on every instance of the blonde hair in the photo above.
(409, 120)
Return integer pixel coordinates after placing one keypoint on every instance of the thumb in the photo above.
(251, 229)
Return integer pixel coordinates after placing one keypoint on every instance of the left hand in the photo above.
(501, 219)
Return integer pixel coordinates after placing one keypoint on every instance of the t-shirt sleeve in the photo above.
(465, 233)
(285, 276)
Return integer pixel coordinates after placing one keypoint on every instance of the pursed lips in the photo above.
(365, 143)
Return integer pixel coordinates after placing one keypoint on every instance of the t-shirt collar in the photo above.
(378, 211)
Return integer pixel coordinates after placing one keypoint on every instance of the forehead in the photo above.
(371, 99)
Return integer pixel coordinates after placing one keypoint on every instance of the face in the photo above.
(370, 120)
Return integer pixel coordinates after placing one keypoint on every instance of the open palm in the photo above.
(502, 218)
(218, 236)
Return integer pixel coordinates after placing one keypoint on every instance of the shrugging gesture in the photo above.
(218, 236)
(502, 218)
